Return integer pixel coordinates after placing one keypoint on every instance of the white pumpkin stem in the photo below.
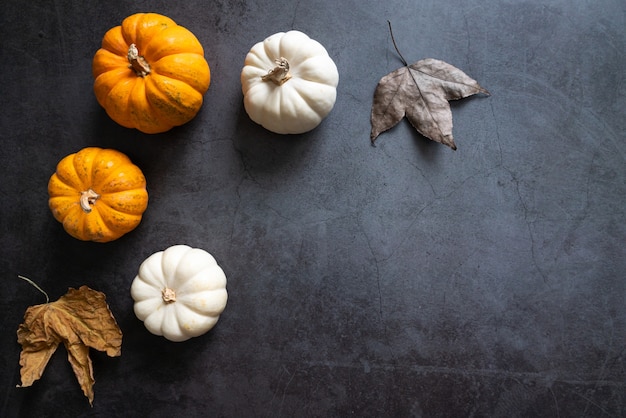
(168, 295)
(88, 198)
(279, 74)
(137, 62)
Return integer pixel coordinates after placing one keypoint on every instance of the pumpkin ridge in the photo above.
(299, 86)
(112, 43)
(256, 63)
(130, 28)
(82, 162)
(151, 272)
(309, 70)
(106, 222)
(59, 186)
(194, 283)
(132, 179)
(271, 49)
(63, 206)
(116, 101)
(321, 108)
(199, 80)
(106, 60)
(147, 26)
(142, 112)
(290, 46)
(122, 201)
(88, 225)
(95, 177)
(171, 40)
(174, 104)
(155, 318)
(106, 82)
(66, 173)
(101, 176)
(201, 321)
(167, 325)
(123, 223)
(186, 300)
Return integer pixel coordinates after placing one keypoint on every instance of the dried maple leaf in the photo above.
(420, 91)
(80, 319)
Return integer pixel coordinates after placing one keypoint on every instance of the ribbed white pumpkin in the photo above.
(289, 83)
(179, 293)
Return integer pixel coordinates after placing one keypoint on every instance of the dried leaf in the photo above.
(80, 319)
(421, 91)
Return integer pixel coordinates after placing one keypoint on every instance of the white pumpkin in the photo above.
(179, 293)
(289, 83)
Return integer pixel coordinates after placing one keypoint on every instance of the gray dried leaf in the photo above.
(421, 91)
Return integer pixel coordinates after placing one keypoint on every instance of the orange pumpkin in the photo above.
(150, 73)
(97, 194)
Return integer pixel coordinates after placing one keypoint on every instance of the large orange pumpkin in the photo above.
(150, 73)
(97, 194)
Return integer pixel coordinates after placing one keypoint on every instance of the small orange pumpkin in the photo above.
(150, 73)
(97, 194)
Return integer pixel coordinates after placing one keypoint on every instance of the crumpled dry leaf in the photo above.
(80, 319)
(420, 91)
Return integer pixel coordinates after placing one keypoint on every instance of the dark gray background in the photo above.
(405, 279)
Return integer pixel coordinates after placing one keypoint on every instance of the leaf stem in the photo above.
(36, 286)
(393, 39)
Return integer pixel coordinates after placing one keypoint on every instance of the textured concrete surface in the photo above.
(405, 279)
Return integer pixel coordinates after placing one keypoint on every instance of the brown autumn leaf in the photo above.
(80, 319)
(421, 91)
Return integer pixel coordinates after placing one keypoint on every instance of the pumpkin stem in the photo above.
(88, 198)
(278, 74)
(169, 295)
(137, 62)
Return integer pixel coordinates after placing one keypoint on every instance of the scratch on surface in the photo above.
(590, 121)
(591, 402)
(497, 132)
(245, 174)
(295, 14)
(376, 269)
(516, 183)
(61, 33)
(604, 366)
(284, 390)
(436, 197)
(468, 37)
(417, 167)
(245, 167)
(556, 402)
(590, 176)
(465, 372)
(529, 226)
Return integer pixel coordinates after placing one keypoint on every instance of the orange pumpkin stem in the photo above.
(88, 198)
(137, 62)
(168, 295)
(279, 74)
